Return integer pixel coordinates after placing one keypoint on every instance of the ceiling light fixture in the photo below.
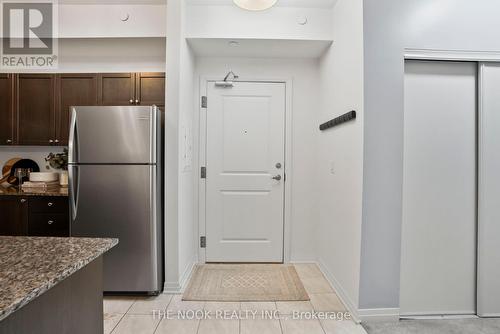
(255, 5)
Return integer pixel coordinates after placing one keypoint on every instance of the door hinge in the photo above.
(204, 102)
(203, 242)
(203, 172)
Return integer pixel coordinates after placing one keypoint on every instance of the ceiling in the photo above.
(281, 3)
(113, 2)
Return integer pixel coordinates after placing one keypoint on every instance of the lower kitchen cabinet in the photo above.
(13, 215)
(34, 216)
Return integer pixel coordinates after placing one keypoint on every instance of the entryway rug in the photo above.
(245, 283)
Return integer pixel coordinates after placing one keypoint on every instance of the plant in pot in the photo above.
(59, 161)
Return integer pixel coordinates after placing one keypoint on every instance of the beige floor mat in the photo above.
(244, 283)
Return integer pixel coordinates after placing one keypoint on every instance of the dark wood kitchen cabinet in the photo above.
(36, 109)
(150, 89)
(7, 119)
(73, 90)
(42, 216)
(116, 89)
(121, 89)
(13, 215)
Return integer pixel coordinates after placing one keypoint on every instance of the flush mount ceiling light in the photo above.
(255, 4)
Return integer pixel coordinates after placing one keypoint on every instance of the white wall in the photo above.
(180, 239)
(304, 73)
(275, 23)
(339, 192)
(389, 27)
(35, 153)
(105, 20)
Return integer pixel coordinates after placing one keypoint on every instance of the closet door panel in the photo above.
(438, 250)
(488, 291)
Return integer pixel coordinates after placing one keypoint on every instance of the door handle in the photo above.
(277, 177)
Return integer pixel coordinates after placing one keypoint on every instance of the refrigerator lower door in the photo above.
(120, 201)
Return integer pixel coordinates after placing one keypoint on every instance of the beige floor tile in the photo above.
(175, 326)
(290, 307)
(301, 327)
(316, 285)
(177, 304)
(148, 304)
(136, 324)
(214, 307)
(258, 306)
(219, 327)
(326, 302)
(342, 327)
(110, 321)
(117, 304)
(260, 326)
(308, 270)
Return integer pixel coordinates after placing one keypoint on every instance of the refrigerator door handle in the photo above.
(74, 176)
(73, 139)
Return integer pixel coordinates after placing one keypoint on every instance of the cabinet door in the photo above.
(13, 215)
(6, 109)
(150, 89)
(116, 89)
(36, 109)
(73, 90)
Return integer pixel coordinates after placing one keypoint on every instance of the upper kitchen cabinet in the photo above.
(117, 89)
(7, 119)
(150, 89)
(36, 109)
(73, 90)
(120, 89)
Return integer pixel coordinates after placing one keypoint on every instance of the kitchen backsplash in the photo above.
(35, 153)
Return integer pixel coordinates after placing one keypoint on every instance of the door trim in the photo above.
(200, 121)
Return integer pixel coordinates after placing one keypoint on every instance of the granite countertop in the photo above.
(14, 191)
(30, 266)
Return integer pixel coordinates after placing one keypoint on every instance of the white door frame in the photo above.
(201, 119)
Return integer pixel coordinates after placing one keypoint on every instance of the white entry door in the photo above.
(438, 260)
(245, 156)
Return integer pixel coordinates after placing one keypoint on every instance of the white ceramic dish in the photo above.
(44, 177)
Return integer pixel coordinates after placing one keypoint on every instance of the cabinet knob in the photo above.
(51, 141)
(23, 200)
(9, 141)
(136, 101)
(131, 101)
(50, 222)
(56, 141)
(50, 204)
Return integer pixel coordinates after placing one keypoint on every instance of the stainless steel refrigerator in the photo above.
(115, 191)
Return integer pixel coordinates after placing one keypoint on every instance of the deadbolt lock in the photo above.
(278, 165)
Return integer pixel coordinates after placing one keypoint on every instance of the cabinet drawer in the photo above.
(49, 205)
(46, 224)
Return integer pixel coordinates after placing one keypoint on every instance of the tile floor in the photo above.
(123, 315)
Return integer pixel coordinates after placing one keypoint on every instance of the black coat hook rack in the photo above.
(339, 120)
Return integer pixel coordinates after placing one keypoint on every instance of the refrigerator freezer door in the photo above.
(113, 135)
(119, 201)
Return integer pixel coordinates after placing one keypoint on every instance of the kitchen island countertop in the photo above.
(30, 266)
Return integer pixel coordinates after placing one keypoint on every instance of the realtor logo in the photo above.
(28, 34)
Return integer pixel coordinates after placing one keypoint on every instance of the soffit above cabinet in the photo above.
(258, 48)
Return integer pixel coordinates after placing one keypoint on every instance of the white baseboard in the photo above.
(178, 287)
(379, 314)
(340, 291)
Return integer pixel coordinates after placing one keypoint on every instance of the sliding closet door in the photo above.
(489, 192)
(438, 265)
